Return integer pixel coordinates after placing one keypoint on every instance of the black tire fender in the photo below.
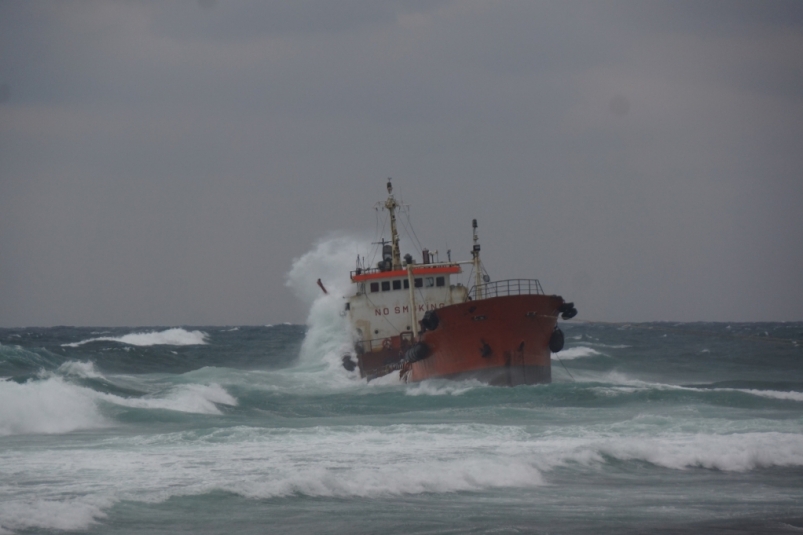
(556, 340)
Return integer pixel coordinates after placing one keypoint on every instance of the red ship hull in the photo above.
(500, 340)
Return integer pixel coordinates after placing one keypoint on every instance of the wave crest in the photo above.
(50, 406)
(173, 337)
(54, 405)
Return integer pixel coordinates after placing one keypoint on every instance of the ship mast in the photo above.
(391, 205)
(475, 253)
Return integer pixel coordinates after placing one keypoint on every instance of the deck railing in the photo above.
(506, 287)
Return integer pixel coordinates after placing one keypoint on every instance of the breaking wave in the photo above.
(393, 460)
(69, 514)
(731, 453)
(54, 404)
(50, 406)
(173, 337)
(193, 398)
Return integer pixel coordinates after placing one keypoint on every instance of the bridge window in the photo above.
(406, 284)
(385, 286)
(374, 286)
(419, 283)
(397, 285)
(440, 281)
(429, 282)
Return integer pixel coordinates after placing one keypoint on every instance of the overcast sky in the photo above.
(163, 163)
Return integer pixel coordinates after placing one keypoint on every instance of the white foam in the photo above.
(622, 384)
(774, 394)
(442, 388)
(733, 453)
(355, 461)
(390, 379)
(53, 405)
(449, 476)
(576, 353)
(49, 406)
(79, 369)
(328, 335)
(62, 514)
(193, 398)
(174, 337)
(352, 461)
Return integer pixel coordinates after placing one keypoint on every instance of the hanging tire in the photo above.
(430, 321)
(419, 351)
(556, 340)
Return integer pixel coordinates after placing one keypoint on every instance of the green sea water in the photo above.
(656, 427)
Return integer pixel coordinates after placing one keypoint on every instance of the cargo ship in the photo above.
(414, 318)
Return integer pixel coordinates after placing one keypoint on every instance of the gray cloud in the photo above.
(163, 163)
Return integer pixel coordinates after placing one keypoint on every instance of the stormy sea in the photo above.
(646, 427)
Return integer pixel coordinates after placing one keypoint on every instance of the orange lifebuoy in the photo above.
(386, 343)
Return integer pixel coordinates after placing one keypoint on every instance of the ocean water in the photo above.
(656, 427)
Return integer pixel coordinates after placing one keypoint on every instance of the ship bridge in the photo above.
(389, 302)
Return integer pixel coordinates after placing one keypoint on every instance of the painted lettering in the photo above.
(405, 309)
(421, 308)
(397, 310)
(386, 311)
(377, 312)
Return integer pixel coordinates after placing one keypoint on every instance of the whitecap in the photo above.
(79, 369)
(49, 406)
(732, 453)
(175, 337)
(54, 405)
(191, 398)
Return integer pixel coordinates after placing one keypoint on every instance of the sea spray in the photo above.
(329, 335)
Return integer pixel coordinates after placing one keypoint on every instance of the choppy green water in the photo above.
(646, 427)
